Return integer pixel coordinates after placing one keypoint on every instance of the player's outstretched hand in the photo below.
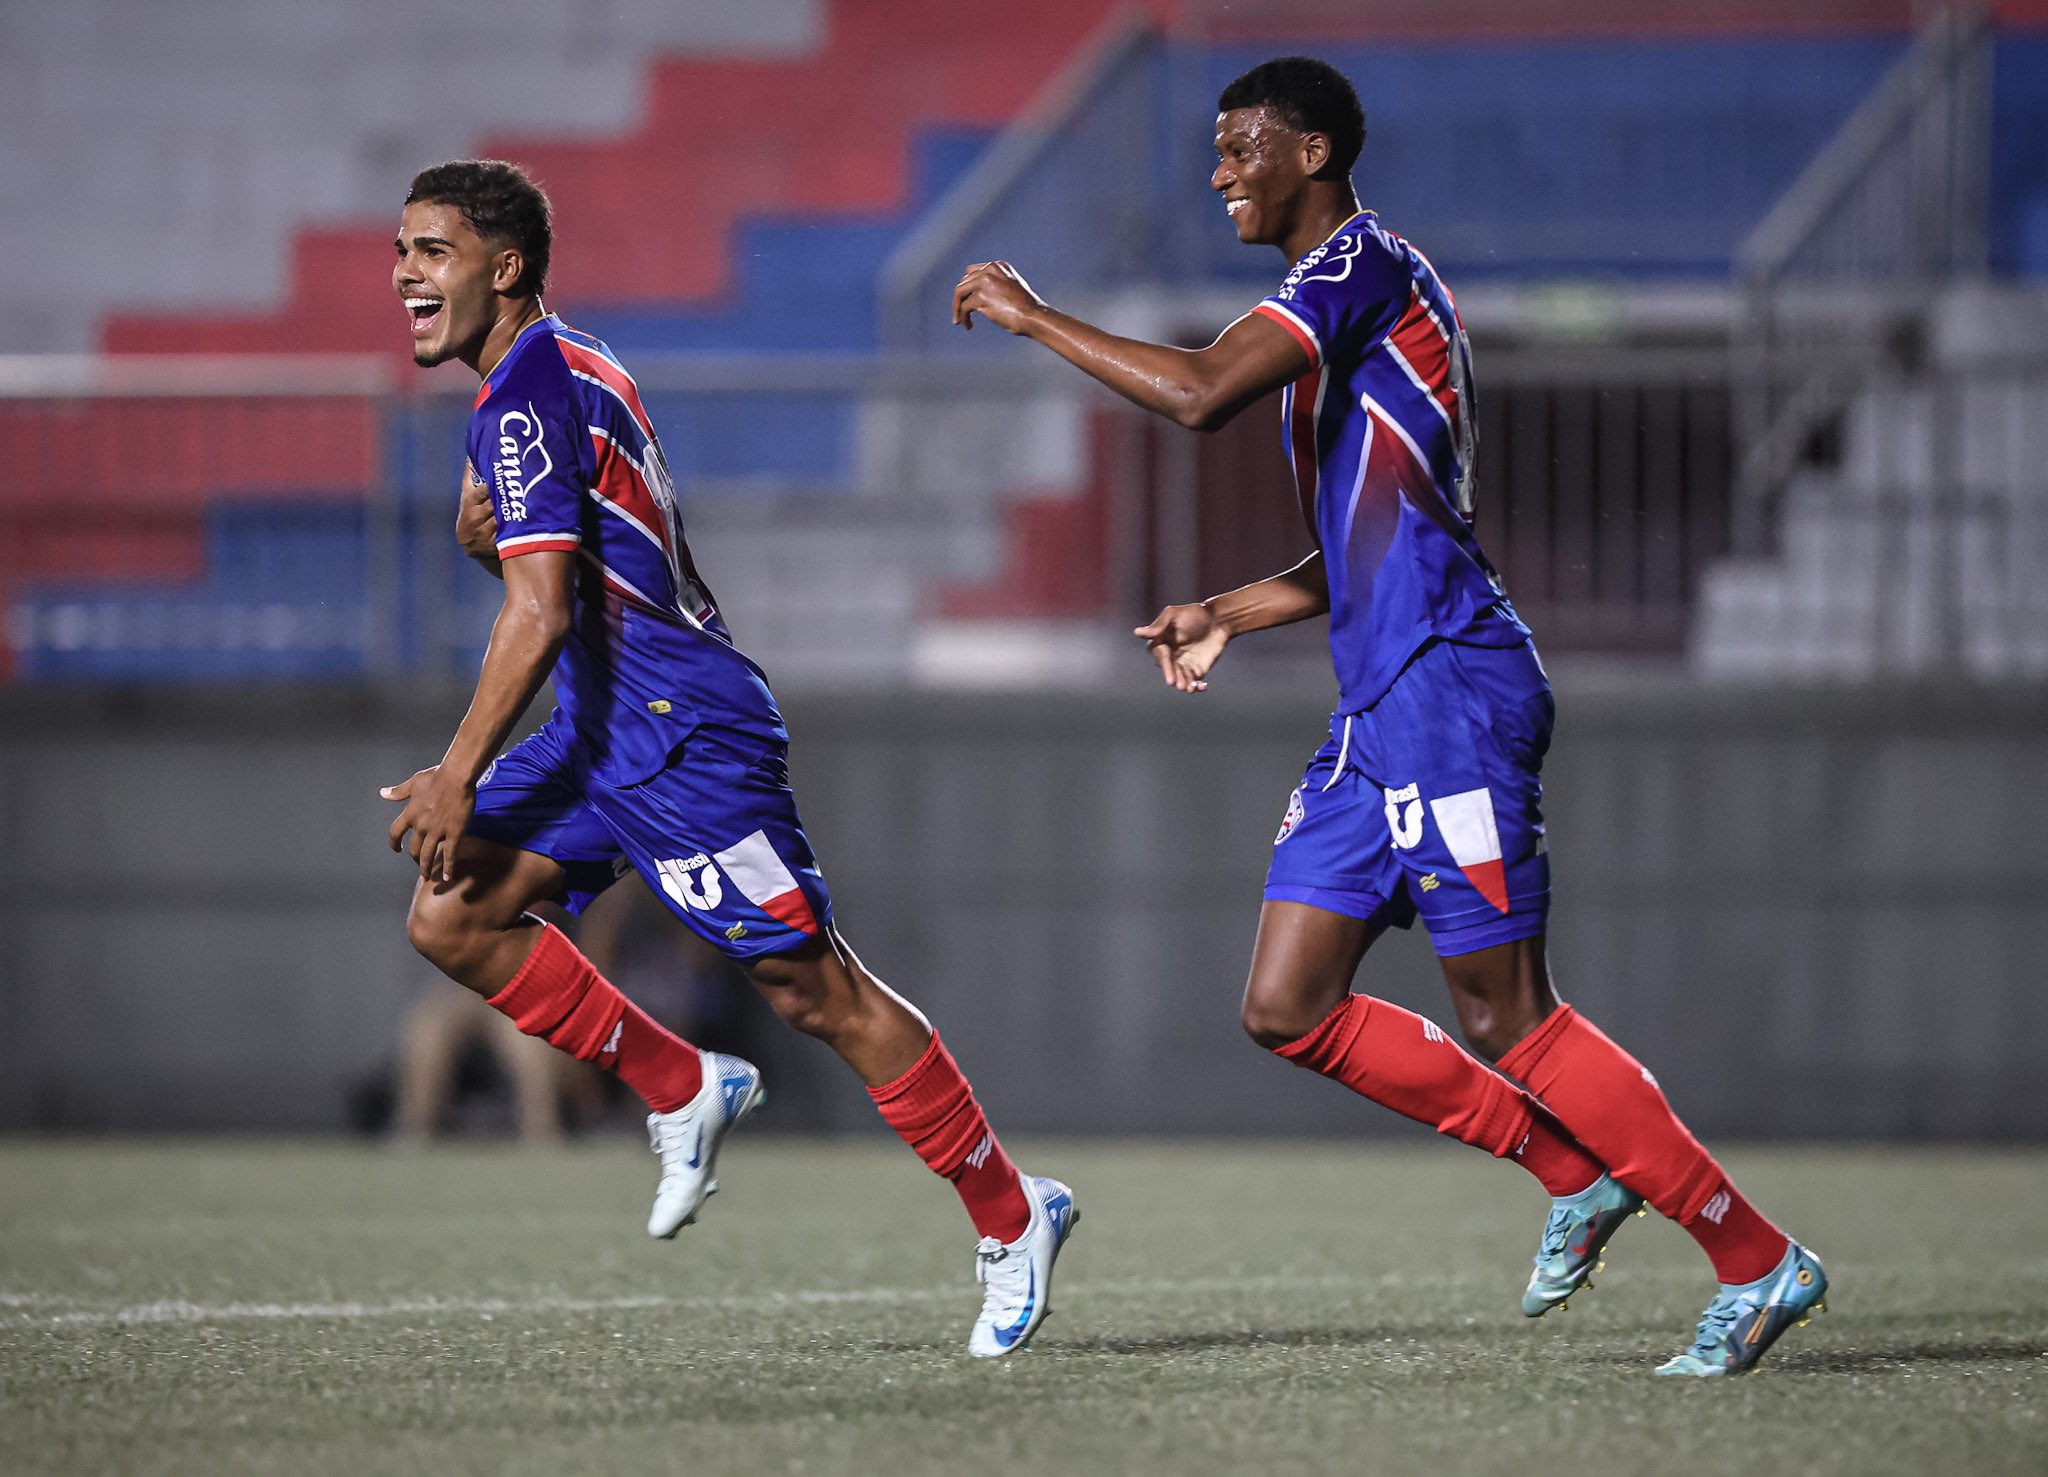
(1185, 641)
(437, 811)
(998, 292)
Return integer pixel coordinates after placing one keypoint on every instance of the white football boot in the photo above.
(688, 1138)
(1016, 1276)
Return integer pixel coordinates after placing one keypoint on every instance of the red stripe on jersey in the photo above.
(601, 369)
(1425, 344)
(1301, 441)
(619, 483)
(1390, 449)
(1308, 345)
(541, 546)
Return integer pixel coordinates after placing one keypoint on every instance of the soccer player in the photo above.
(1425, 800)
(666, 754)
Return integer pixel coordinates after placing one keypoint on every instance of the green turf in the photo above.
(286, 1307)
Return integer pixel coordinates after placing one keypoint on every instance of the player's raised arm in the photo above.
(1186, 640)
(1197, 388)
(527, 637)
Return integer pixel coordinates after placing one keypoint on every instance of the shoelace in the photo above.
(665, 1134)
(1557, 1231)
(987, 1253)
(1715, 1323)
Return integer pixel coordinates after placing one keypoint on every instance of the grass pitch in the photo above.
(316, 1307)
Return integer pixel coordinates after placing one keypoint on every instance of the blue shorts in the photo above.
(715, 833)
(1430, 802)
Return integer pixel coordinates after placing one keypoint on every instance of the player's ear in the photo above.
(1315, 153)
(510, 267)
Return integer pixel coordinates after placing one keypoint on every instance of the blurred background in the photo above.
(1758, 294)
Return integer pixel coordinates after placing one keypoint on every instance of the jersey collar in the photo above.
(546, 320)
(1348, 222)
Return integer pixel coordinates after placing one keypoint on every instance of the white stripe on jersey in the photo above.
(624, 403)
(538, 538)
(650, 535)
(1399, 430)
(1416, 380)
(645, 599)
(1358, 482)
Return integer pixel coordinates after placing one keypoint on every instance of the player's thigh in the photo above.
(535, 800)
(1501, 993)
(493, 885)
(1457, 749)
(1332, 887)
(718, 838)
(1303, 963)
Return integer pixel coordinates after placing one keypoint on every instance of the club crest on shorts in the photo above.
(1295, 811)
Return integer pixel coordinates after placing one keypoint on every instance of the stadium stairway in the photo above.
(1920, 546)
(750, 211)
(650, 217)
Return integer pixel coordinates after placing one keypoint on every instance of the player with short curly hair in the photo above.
(1426, 799)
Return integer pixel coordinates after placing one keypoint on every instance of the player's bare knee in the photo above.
(441, 928)
(1275, 1023)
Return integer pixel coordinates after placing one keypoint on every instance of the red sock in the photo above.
(1404, 1062)
(560, 997)
(1610, 1103)
(933, 1109)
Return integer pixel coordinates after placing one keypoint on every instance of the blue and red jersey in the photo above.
(561, 437)
(1381, 435)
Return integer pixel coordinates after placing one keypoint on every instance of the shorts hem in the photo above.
(785, 942)
(1472, 937)
(1366, 907)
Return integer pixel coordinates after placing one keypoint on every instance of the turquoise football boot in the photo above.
(1741, 1323)
(1574, 1240)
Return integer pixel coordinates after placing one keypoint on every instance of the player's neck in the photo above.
(1322, 214)
(513, 319)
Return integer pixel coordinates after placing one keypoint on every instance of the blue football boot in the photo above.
(1742, 1322)
(1574, 1240)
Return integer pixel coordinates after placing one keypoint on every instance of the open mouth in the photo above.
(426, 312)
(1233, 207)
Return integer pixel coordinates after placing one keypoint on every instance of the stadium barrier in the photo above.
(260, 519)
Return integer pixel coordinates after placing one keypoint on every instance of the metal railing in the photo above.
(1835, 280)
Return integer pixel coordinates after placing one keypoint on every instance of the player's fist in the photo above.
(998, 292)
(476, 519)
(1185, 642)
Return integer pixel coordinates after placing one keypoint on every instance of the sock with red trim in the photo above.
(1610, 1103)
(559, 996)
(1406, 1063)
(933, 1110)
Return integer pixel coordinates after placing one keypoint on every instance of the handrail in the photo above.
(1859, 144)
(198, 376)
(938, 237)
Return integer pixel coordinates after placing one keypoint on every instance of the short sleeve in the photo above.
(525, 446)
(1336, 298)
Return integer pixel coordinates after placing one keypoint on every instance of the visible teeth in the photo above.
(1234, 206)
(421, 304)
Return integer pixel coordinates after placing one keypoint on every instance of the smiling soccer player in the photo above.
(1426, 800)
(666, 753)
